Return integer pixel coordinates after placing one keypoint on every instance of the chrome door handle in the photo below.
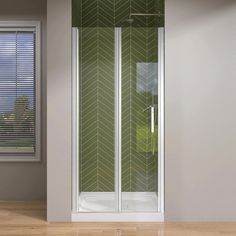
(152, 108)
(152, 120)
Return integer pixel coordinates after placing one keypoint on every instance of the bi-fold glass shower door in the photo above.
(117, 136)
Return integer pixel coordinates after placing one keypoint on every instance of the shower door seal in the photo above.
(161, 117)
(75, 118)
(118, 215)
(118, 111)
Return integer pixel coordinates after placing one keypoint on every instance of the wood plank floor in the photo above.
(29, 218)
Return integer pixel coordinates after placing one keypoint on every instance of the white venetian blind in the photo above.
(17, 91)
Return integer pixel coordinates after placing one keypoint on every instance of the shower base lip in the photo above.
(90, 201)
(130, 202)
(118, 217)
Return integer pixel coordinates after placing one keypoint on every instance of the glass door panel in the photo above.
(96, 120)
(139, 119)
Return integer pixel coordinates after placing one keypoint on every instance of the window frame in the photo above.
(28, 26)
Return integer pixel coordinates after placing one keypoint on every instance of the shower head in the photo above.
(146, 14)
(130, 20)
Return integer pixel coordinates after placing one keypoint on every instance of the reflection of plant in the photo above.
(144, 139)
(20, 122)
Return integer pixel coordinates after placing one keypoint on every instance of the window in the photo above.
(19, 91)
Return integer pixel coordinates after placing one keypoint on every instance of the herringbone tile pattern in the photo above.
(97, 19)
(114, 13)
(97, 109)
(139, 167)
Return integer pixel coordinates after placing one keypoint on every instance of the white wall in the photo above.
(27, 181)
(200, 110)
(59, 109)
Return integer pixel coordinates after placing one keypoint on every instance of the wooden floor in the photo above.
(30, 219)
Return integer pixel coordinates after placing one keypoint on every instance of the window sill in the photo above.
(19, 158)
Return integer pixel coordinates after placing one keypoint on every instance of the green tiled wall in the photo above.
(96, 20)
(139, 167)
(113, 13)
(97, 109)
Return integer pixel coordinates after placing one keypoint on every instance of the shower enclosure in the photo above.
(118, 109)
